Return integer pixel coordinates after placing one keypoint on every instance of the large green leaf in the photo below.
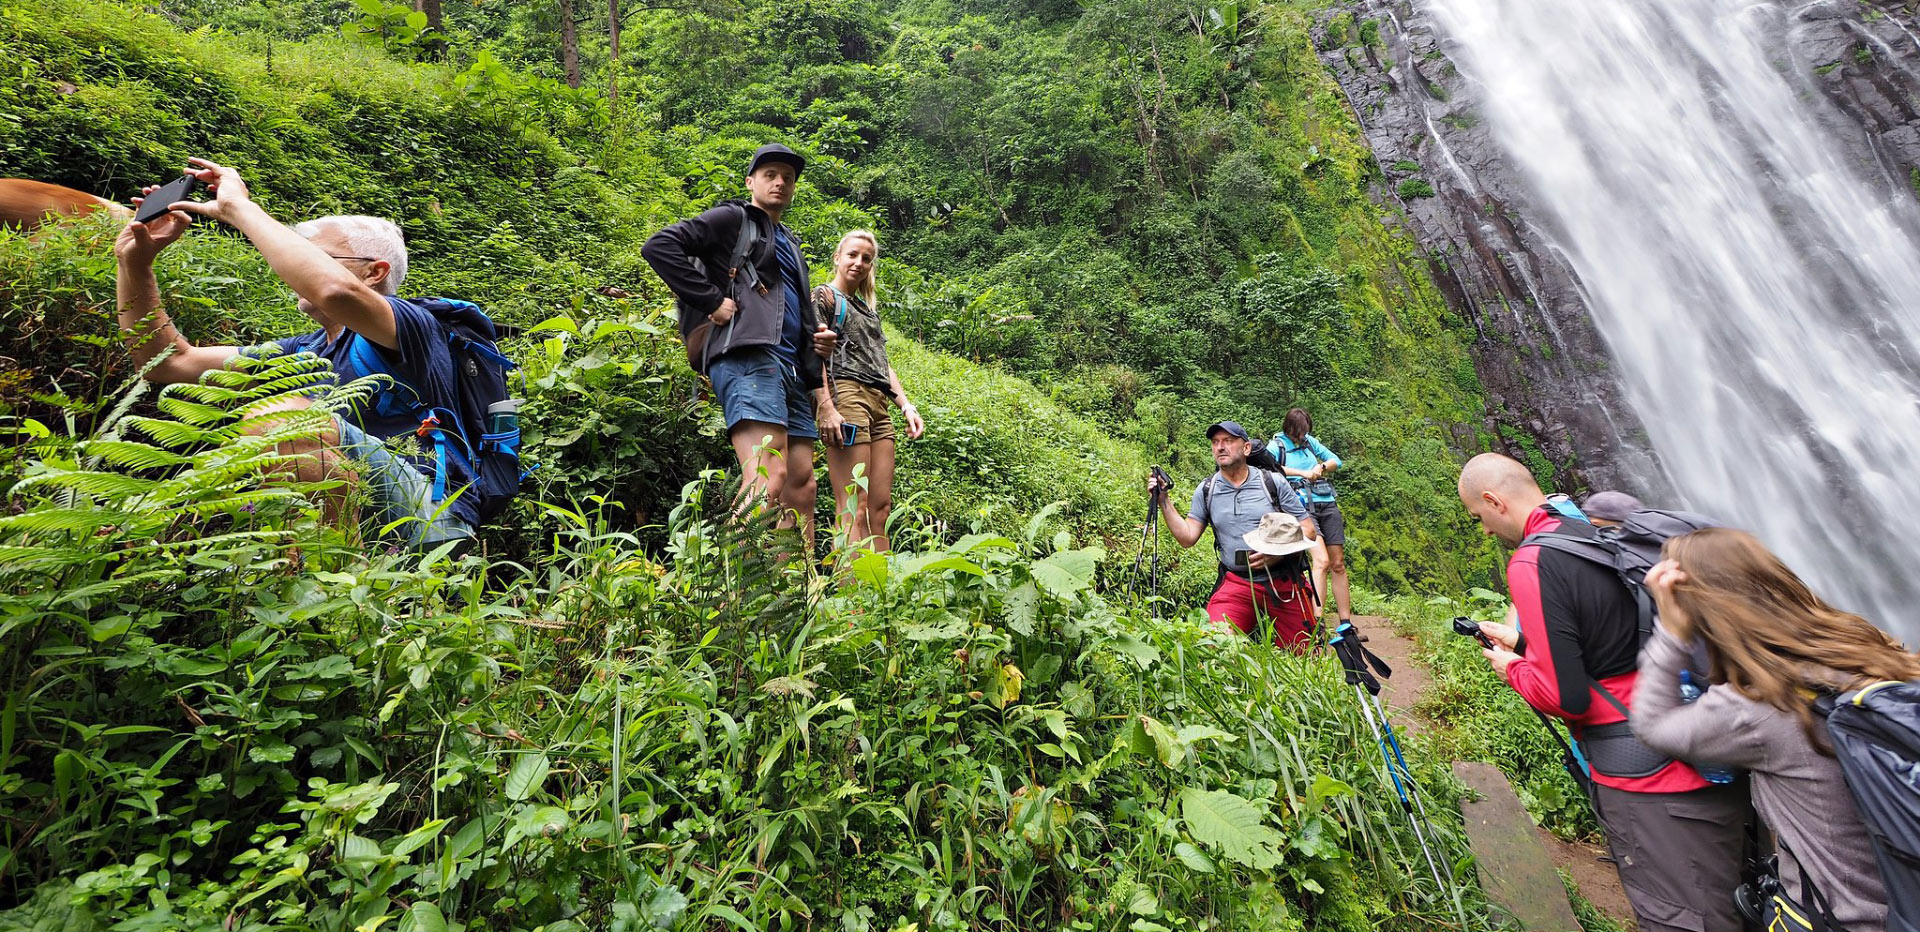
(1023, 606)
(1066, 573)
(529, 771)
(1231, 826)
(872, 570)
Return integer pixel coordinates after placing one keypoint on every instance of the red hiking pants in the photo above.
(1245, 604)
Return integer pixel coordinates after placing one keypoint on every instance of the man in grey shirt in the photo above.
(1232, 501)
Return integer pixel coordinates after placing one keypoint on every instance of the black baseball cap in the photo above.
(775, 152)
(1231, 427)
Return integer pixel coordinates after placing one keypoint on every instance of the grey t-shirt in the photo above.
(1237, 510)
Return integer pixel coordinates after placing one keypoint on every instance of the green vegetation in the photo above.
(1103, 227)
(313, 737)
(1486, 720)
(1415, 187)
(1406, 166)
(1165, 219)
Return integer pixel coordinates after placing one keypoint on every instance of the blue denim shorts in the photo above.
(755, 384)
(396, 492)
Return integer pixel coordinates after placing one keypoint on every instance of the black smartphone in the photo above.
(179, 189)
(847, 433)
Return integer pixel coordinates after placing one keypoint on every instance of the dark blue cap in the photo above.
(775, 152)
(1231, 427)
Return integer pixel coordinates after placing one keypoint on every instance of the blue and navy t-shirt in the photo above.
(1302, 458)
(421, 374)
(791, 329)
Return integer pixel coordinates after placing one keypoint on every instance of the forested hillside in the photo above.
(1159, 214)
(1102, 227)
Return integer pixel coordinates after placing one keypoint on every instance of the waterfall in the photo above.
(1757, 281)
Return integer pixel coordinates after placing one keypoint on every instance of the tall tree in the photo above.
(570, 43)
(435, 46)
(613, 55)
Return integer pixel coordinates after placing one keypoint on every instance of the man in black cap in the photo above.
(749, 327)
(1233, 501)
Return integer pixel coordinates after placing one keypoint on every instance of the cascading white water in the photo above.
(1760, 293)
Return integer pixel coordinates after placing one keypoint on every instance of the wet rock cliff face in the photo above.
(1552, 398)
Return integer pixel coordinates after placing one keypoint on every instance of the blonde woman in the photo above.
(1775, 647)
(863, 385)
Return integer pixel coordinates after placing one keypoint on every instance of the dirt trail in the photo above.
(1597, 880)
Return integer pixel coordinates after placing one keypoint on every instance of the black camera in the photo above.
(1467, 627)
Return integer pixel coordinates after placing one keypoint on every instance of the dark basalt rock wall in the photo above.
(1549, 380)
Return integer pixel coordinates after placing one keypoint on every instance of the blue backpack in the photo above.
(467, 430)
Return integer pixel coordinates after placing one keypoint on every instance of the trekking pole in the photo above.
(1570, 756)
(1356, 660)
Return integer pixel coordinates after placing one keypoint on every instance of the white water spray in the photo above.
(1760, 292)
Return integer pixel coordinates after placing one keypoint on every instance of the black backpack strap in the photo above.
(1273, 489)
(1605, 553)
(743, 245)
(1206, 503)
(1819, 910)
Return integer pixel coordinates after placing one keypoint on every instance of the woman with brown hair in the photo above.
(863, 383)
(1775, 647)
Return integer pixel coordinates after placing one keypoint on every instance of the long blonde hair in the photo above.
(867, 289)
(1772, 638)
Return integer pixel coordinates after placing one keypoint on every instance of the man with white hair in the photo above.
(346, 272)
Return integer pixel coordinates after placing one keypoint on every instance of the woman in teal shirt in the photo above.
(1306, 462)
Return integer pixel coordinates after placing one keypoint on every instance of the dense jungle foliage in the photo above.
(1160, 213)
(1103, 226)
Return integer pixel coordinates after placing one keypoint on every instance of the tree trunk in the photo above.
(569, 44)
(432, 9)
(613, 62)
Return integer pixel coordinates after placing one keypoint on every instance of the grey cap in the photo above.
(1611, 506)
(775, 152)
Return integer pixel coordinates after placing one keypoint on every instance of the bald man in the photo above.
(1677, 840)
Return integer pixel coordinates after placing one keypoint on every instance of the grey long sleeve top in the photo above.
(1800, 793)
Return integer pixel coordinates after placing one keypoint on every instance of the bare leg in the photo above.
(1318, 558)
(1337, 577)
(879, 494)
(320, 458)
(801, 490)
(840, 464)
(762, 450)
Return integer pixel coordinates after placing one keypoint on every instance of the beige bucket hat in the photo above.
(1278, 535)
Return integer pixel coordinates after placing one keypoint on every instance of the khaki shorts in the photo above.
(865, 407)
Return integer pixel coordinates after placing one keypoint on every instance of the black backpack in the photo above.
(1876, 739)
(464, 431)
(1629, 549)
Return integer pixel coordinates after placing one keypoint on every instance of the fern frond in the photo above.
(112, 584)
(43, 560)
(55, 520)
(232, 503)
(176, 434)
(269, 535)
(199, 415)
(289, 384)
(129, 454)
(111, 486)
(223, 477)
(135, 390)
